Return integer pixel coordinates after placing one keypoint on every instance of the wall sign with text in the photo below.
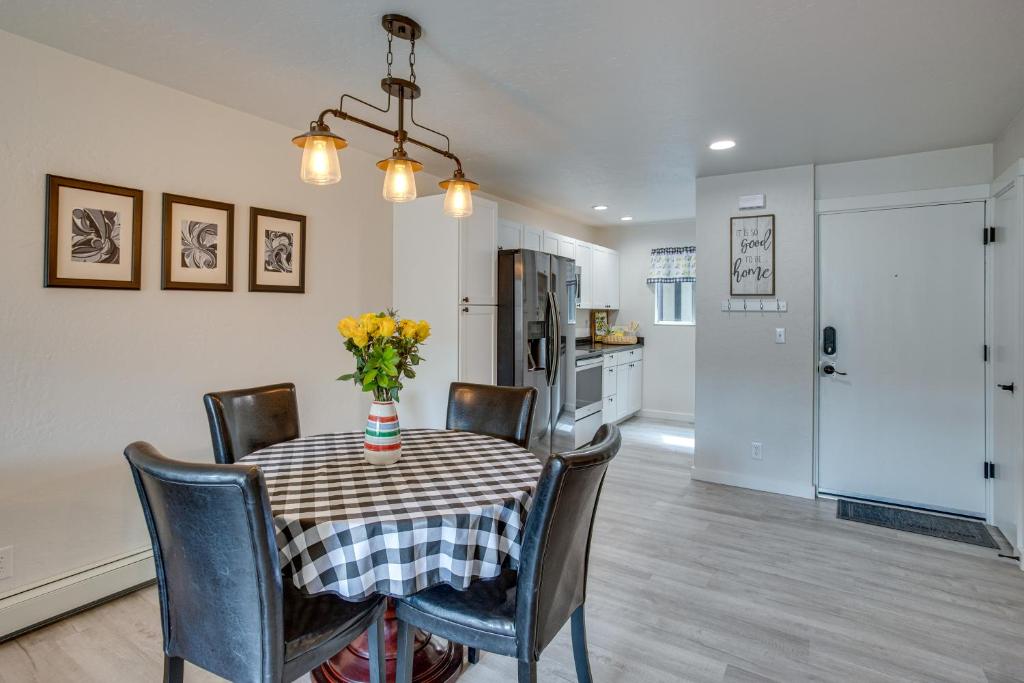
(752, 255)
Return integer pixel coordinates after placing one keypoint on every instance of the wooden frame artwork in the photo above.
(198, 244)
(89, 227)
(752, 255)
(277, 251)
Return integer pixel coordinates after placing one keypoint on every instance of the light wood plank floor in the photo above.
(693, 582)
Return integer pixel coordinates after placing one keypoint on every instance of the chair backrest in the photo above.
(556, 541)
(502, 412)
(216, 563)
(246, 420)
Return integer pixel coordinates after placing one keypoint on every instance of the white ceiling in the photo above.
(577, 102)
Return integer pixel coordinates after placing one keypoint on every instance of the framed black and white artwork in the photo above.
(198, 243)
(93, 234)
(752, 255)
(277, 251)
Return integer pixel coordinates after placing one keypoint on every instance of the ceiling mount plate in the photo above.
(401, 27)
(399, 87)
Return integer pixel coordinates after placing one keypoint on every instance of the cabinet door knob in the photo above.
(465, 310)
(465, 299)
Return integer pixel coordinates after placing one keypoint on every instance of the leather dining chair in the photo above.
(518, 613)
(245, 420)
(502, 412)
(223, 603)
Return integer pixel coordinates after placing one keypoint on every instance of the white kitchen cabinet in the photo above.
(610, 411)
(605, 278)
(608, 385)
(510, 235)
(566, 247)
(477, 344)
(585, 261)
(622, 385)
(478, 268)
(613, 279)
(533, 238)
(438, 261)
(636, 387)
(550, 243)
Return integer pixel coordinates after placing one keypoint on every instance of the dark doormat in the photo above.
(914, 521)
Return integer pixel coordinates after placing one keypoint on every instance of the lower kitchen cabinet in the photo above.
(623, 385)
(477, 344)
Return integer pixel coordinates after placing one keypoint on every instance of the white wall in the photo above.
(907, 172)
(748, 388)
(1009, 147)
(668, 349)
(85, 372)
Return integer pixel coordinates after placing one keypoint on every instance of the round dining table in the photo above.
(451, 510)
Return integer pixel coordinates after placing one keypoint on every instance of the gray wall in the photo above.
(1010, 146)
(748, 388)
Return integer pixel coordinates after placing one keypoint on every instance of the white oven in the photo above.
(589, 401)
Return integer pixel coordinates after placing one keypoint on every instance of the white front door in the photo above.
(1007, 410)
(901, 413)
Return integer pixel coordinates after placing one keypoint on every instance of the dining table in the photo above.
(450, 511)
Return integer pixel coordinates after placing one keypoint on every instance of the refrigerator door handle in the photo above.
(558, 339)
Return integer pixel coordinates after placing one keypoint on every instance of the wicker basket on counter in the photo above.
(619, 339)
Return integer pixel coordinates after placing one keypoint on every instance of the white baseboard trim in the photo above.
(65, 594)
(755, 482)
(669, 415)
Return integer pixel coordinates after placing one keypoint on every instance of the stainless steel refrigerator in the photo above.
(537, 340)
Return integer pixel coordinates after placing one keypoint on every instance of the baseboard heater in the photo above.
(48, 601)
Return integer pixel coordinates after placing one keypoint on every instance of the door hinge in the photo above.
(988, 235)
(984, 352)
(990, 470)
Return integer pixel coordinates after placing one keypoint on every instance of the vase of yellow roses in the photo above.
(386, 349)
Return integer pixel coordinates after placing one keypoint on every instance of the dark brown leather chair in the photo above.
(223, 603)
(502, 412)
(246, 420)
(518, 613)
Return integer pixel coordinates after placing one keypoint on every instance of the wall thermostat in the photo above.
(752, 201)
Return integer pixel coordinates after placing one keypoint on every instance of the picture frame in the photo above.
(599, 327)
(93, 235)
(197, 244)
(277, 251)
(752, 255)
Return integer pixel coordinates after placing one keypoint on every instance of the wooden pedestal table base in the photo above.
(432, 662)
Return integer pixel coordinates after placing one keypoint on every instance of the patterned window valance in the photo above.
(673, 264)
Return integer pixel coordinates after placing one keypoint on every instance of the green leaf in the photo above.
(410, 373)
(347, 376)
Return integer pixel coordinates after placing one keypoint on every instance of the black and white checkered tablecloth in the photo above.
(450, 511)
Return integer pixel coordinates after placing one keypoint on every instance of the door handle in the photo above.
(1006, 387)
(830, 369)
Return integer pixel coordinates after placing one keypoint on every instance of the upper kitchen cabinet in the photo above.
(550, 243)
(605, 279)
(585, 262)
(510, 235)
(533, 238)
(478, 269)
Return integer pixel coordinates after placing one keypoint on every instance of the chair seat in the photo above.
(487, 608)
(312, 620)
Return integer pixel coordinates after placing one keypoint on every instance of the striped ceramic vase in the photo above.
(383, 442)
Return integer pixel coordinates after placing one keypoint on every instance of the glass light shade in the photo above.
(458, 200)
(320, 163)
(400, 181)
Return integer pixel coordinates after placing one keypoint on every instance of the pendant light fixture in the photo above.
(320, 162)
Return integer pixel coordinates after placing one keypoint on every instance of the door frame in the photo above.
(967, 194)
(1005, 182)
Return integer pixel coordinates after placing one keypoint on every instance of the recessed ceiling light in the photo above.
(599, 207)
(626, 218)
(719, 145)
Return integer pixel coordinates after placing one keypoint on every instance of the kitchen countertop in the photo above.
(598, 349)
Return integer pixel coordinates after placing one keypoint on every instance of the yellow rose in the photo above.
(386, 327)
(408, 328)
(370, 321)
(361, 338)
(347, 327)
(422, 330)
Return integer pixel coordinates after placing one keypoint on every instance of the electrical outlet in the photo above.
(755, 450)
(780, 335)
(7, 562)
